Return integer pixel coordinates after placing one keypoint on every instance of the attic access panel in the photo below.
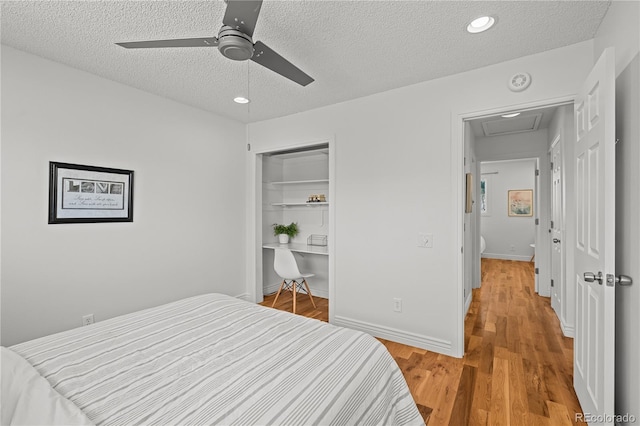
(507, 126)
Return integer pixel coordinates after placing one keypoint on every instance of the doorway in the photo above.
(494, 135)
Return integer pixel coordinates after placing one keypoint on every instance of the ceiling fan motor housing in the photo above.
(234, 44)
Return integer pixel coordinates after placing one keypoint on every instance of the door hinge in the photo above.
(552, 165)
(537, 221)
(248, 147)
(551, 283)
(551, 224)
(461, 249)
(537, 271)
(537, 172)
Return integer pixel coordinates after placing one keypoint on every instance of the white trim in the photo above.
(273, 288)
(517, 257)
(244, 296)
(467, 303)
(254, 284)
(567, 330)
(407, 338)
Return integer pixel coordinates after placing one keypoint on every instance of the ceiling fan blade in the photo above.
(242, 15)
(268, 58)
(181, 42)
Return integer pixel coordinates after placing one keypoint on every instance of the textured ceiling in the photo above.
(351, 48)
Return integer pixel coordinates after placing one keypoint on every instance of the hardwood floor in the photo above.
(518, 367)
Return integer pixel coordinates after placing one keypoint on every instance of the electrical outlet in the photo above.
(425, 240)
(88, 319)
(397, 304)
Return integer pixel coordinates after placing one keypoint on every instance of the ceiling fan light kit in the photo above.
(235, 41)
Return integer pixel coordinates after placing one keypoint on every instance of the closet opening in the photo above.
(294, 185)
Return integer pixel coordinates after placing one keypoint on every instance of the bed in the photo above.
(210, 359)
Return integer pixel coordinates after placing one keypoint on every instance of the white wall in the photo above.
(621, 29)
(187, 237)
(394, 154)
(628, 239)
(507, 237)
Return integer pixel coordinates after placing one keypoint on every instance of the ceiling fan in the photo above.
(234, 41)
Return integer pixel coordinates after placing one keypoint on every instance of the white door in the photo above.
(556, 227)
(595, 241)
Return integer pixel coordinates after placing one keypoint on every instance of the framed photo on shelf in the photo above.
(89, 194)
(520, 202)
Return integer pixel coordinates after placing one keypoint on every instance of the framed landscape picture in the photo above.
(520, 202)
(89, 194)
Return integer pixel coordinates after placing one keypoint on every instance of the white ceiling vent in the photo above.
(506, 126)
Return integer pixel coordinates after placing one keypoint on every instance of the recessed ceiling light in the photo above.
(481, 24)
(241, 100)
(514, 114)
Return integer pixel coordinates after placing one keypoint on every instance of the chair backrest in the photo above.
(285, 264)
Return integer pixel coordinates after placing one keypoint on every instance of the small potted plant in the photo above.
(284, 232)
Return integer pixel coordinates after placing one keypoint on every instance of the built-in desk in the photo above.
(300, 248)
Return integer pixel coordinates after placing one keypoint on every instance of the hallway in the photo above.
(521, 354)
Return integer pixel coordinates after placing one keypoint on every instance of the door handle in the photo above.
(624, 280)
(591, 277)
(555, 240)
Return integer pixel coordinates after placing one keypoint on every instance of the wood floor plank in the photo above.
(499, 414)
(461, 413)
(519, 405)
(518, 367)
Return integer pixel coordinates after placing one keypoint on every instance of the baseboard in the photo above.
(395, 335)
(244, 296)
(567, 330)
(517, 257)
(467, 303)
(273, 288)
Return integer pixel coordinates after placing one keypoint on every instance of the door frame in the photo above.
(458, 120)
(253, 283)
(561, 143)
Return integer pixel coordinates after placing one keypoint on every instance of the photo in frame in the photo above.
(520, 202)
(89, 194)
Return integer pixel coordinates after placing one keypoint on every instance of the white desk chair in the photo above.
(286, 267)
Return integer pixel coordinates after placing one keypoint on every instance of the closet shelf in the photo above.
(300, 204)
(296, 182)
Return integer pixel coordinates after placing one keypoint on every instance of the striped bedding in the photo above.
(217, 360)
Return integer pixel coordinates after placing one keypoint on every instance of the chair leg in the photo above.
(277, 295)
(309, 293)
(293, 291)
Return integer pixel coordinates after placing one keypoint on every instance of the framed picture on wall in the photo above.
(89, 194)
(484, 191)
(520, 202)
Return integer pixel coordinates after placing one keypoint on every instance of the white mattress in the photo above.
(213, 359)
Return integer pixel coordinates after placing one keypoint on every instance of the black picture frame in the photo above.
(89, 194)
